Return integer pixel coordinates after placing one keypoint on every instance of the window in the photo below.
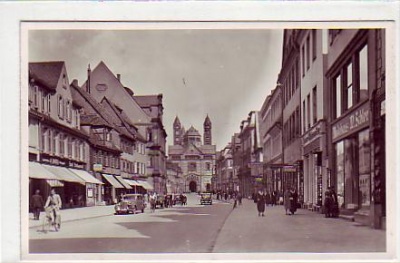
(43, 142)
(192, 167)
(303, 60)
(308, 112)
(68, 111)
(60, 107)
(340, 172)
(314, 44)
(50, 144)
(43, 101)
(61, 144)
(35, 96)
(308, 52)
(48, 103)
(349, 86)
(77, 119)
(304, 116)
(364, 167)
(314, 106)
(338, 98)
(208, 166)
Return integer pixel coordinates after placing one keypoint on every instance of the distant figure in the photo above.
(240, 198)
(286, 200)
(273, 198)
(37, 204)
(226, 196)
(234, 201)
(261, 204)
(293, 200)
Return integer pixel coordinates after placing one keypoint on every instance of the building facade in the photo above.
(271, 121)
(58, 147)
(195, 159)
(356, 84)
(225, 171)
(289, 78)
(250, 173)
(313, 51)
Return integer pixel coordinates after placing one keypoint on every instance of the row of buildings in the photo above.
(97, 140)
(322, 125)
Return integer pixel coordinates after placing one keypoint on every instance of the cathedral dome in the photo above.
(192, 132)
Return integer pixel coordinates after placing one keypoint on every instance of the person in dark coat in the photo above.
(267, 198)
(286, 201)
(37, 204)
(261, 204)
(273, 198)
(293, 200)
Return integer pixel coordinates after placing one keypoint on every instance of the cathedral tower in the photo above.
(207, 131)
(178, 129)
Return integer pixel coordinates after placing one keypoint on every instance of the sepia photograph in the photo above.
(207, 140)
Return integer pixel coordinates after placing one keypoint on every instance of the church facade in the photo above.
(195, 158)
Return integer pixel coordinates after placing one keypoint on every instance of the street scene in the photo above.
(206, 141)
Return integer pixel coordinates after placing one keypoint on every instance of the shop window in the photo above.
(340, 172)
(364, 167)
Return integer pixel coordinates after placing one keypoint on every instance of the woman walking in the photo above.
(293, 200)
(286, 200)
(261, 204)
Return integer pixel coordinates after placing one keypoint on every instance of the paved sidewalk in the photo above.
(73, 214)
(306, 231)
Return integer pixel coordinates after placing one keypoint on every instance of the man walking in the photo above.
(37, 204)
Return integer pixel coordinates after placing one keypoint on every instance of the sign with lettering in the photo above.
(97, 167)
(313, 133)
(351, 122)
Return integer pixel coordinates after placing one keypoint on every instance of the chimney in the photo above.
(89, 71)
(119, 77)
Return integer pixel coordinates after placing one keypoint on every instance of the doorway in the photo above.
(193, 186)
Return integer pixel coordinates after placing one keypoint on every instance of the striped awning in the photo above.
(146, 185)
(37, 171)
(114, 182)
(123, 182)
(132, 182)
(64, 174)
(87, 177)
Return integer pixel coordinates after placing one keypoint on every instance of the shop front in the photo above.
(112, 189)
(93, 187)
(351, 142)
(315, 181)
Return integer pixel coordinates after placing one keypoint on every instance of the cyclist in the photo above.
(54, 203)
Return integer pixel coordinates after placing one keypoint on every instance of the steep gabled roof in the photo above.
(46, 73)
(145, 101)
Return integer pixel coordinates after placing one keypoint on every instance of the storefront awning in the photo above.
(132, 182)
(54, 183)
(111, 179)
(123, 182)
(37, 171)
(87, 177)
(64, 174)
(146, 185)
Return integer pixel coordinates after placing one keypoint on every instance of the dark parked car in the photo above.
(160, 201)
(130, 203)
(206, 198)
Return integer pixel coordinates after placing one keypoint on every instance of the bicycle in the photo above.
(51, 218)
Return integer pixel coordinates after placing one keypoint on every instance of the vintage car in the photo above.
(160, 201)
(205, 198)
(130, 203)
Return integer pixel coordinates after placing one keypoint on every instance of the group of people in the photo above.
(289, 200)
(331, 206)
(52, 207)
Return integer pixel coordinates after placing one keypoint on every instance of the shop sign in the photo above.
(313, 133)
(97, 167)
(351, 122)
(256, 169)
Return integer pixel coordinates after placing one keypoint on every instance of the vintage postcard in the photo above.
(191, 138)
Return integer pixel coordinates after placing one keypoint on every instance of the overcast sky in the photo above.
(222, 73)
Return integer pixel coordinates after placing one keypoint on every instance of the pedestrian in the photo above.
(54, 203)
(226, 196)
(293, 200)
(234, 201)
(36, 204)
(286, 200)
(273, 198)
(261, 204)
(240, 198)
(153, 199)
(335, 204)
(328, 204)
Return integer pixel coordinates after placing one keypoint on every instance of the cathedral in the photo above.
(195, 158)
